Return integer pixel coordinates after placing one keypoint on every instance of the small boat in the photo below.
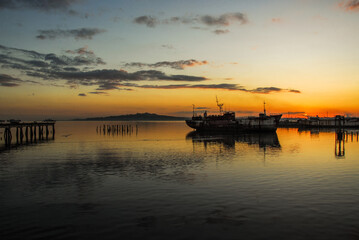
(226, 121)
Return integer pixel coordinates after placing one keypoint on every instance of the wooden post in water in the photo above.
(21, 135)
(47, 132)
(31, 133)
(27, 133)
(7, 136)
(35, 133)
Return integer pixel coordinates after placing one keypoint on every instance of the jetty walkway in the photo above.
(28, 131)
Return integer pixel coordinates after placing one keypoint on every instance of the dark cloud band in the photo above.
(223, 20)
(81, 33)
(179, 65)
(42, 5)
(223, 86)
(74, 69)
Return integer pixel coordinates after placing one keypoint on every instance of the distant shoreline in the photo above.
(134, 117)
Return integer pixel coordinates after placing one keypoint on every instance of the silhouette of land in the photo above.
(135, 117)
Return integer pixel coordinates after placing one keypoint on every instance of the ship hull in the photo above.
(251, 124)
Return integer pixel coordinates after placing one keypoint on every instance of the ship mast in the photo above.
(264, 105)
(193, 109)
(220, 105)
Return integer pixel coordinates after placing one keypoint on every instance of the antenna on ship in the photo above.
(264, 105)
(220, 105)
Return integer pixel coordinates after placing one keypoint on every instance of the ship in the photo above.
(226, 121)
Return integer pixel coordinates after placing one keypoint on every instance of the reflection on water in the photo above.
(339, 143)
(228, 140)
(168, 183)
(341, 137)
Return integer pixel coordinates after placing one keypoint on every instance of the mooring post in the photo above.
(53, 131)
(31, 133)
(27, 133)
(7, 136)
(21, 135)
(34, 132)
(42, 131)
(47, 131)
(17, 134)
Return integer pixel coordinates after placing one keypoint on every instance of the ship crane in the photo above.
(220, 105)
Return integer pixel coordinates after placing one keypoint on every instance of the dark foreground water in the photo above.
(164, 182)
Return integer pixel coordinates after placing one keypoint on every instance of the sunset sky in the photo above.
(67, 59)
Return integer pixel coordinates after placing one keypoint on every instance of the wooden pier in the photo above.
(28, 131)
(126, 129)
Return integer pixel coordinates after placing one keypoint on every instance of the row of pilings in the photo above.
(28, 133)
(127, 129)
(342, 137)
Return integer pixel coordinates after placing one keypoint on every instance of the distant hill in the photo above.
(135, 117)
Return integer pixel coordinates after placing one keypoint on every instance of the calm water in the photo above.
(164, 182)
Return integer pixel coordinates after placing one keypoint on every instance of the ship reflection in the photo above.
(228, 140)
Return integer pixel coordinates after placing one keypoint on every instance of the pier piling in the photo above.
(27, 131)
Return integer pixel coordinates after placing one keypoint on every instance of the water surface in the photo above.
(165, 182)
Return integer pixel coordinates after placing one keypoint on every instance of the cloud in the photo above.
(146, 20)
(122, 75)
(223, 20)
(82, 51)
(44, 5)
(350, 5)
(109, 79)
(33, 61)
(294, 91)
(98, 93)
(179, 65)
(75, 69)
(201, 86)
(276, 20)
(80, 33)
(86, 56)
(168, 46)
(220, 31)
(82, 95)
(265, 90)
(223, 86)
(9, 81)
